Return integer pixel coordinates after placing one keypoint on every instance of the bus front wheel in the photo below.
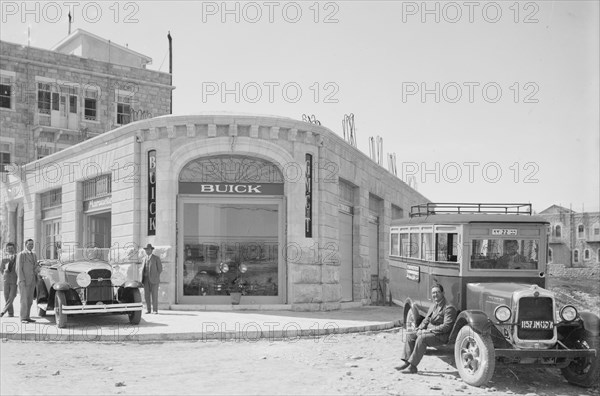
(474, 356)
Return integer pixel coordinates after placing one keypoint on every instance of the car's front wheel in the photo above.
(135, 316)
(584, 371)
(474, 356)
(60, 300)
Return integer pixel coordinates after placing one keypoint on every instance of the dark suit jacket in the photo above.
(10, 277)
(439, 319)
(26, 267)
(154, 268)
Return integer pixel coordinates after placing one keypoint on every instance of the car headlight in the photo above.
(223, 268)
(117, 278)
(502, 313)
(83, 279)
(568, 313)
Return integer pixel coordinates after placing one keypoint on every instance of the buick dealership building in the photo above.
(284, 211)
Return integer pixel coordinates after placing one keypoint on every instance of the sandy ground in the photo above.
(351, 364)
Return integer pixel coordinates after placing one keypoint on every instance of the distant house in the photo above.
(574, 238)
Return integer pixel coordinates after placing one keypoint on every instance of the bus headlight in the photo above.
(502, 313)
(83, 279)
(568, 313)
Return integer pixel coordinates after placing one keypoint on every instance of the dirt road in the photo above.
(352, 364)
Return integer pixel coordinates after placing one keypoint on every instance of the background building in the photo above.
(54, 99)
(574, 238)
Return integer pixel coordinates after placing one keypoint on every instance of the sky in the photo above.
(479, 101)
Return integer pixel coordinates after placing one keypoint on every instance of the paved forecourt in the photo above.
(235, 323)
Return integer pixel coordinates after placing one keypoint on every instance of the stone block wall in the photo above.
(149, 90)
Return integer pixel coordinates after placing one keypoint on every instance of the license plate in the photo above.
(537, 324)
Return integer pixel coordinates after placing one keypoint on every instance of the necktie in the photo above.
(145, 267)
(11, 263)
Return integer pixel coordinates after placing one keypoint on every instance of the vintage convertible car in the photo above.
(86, 286)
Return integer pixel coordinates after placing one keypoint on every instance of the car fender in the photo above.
(477, 320)
(410, 305)
(62, 286)
(132, 285)
(591, 322)
(41, 290)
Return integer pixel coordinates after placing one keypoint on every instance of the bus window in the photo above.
(404, 246)
(427, 246)
(414, 245)
(395, 244)
(519, 254)
(447, 246)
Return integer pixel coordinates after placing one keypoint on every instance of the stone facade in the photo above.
(30, 132)
(574, 238)
(312, 277)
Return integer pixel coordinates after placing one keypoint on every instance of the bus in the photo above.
(491, 261)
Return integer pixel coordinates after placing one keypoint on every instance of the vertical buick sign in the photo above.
(308, 194)
(152, 192)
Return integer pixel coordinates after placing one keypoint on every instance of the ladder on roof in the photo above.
(433, 208)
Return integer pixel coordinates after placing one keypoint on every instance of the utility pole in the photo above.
(170, 70)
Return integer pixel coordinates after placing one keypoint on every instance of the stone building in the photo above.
(574, 238)
(285, 211)
(54, 99)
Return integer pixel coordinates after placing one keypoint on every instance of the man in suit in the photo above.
(512, 259)
(152, 267)
(26, 277)
(9, 278)
(433, 330)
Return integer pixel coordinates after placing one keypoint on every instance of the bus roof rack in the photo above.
(433, 208)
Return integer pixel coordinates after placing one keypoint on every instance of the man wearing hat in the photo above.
(152, 267)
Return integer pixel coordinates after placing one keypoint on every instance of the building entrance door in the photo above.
(374, 254)
(228, 245)
(346, 265)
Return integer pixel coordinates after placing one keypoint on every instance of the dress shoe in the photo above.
(148, 312)
(11, 315)
(155, 312)
(411, 370)
(403, 366)
(30, 320)
(2, 314)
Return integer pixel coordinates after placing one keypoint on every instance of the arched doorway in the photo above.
(231, 221)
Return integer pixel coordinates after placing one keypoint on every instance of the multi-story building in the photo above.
(574, 238)
(54, 99)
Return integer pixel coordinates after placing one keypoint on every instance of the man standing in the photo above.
(9, 278)
(26, 277)
(433, 330)
(152, 267)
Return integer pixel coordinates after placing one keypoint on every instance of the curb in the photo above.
(129, 333)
